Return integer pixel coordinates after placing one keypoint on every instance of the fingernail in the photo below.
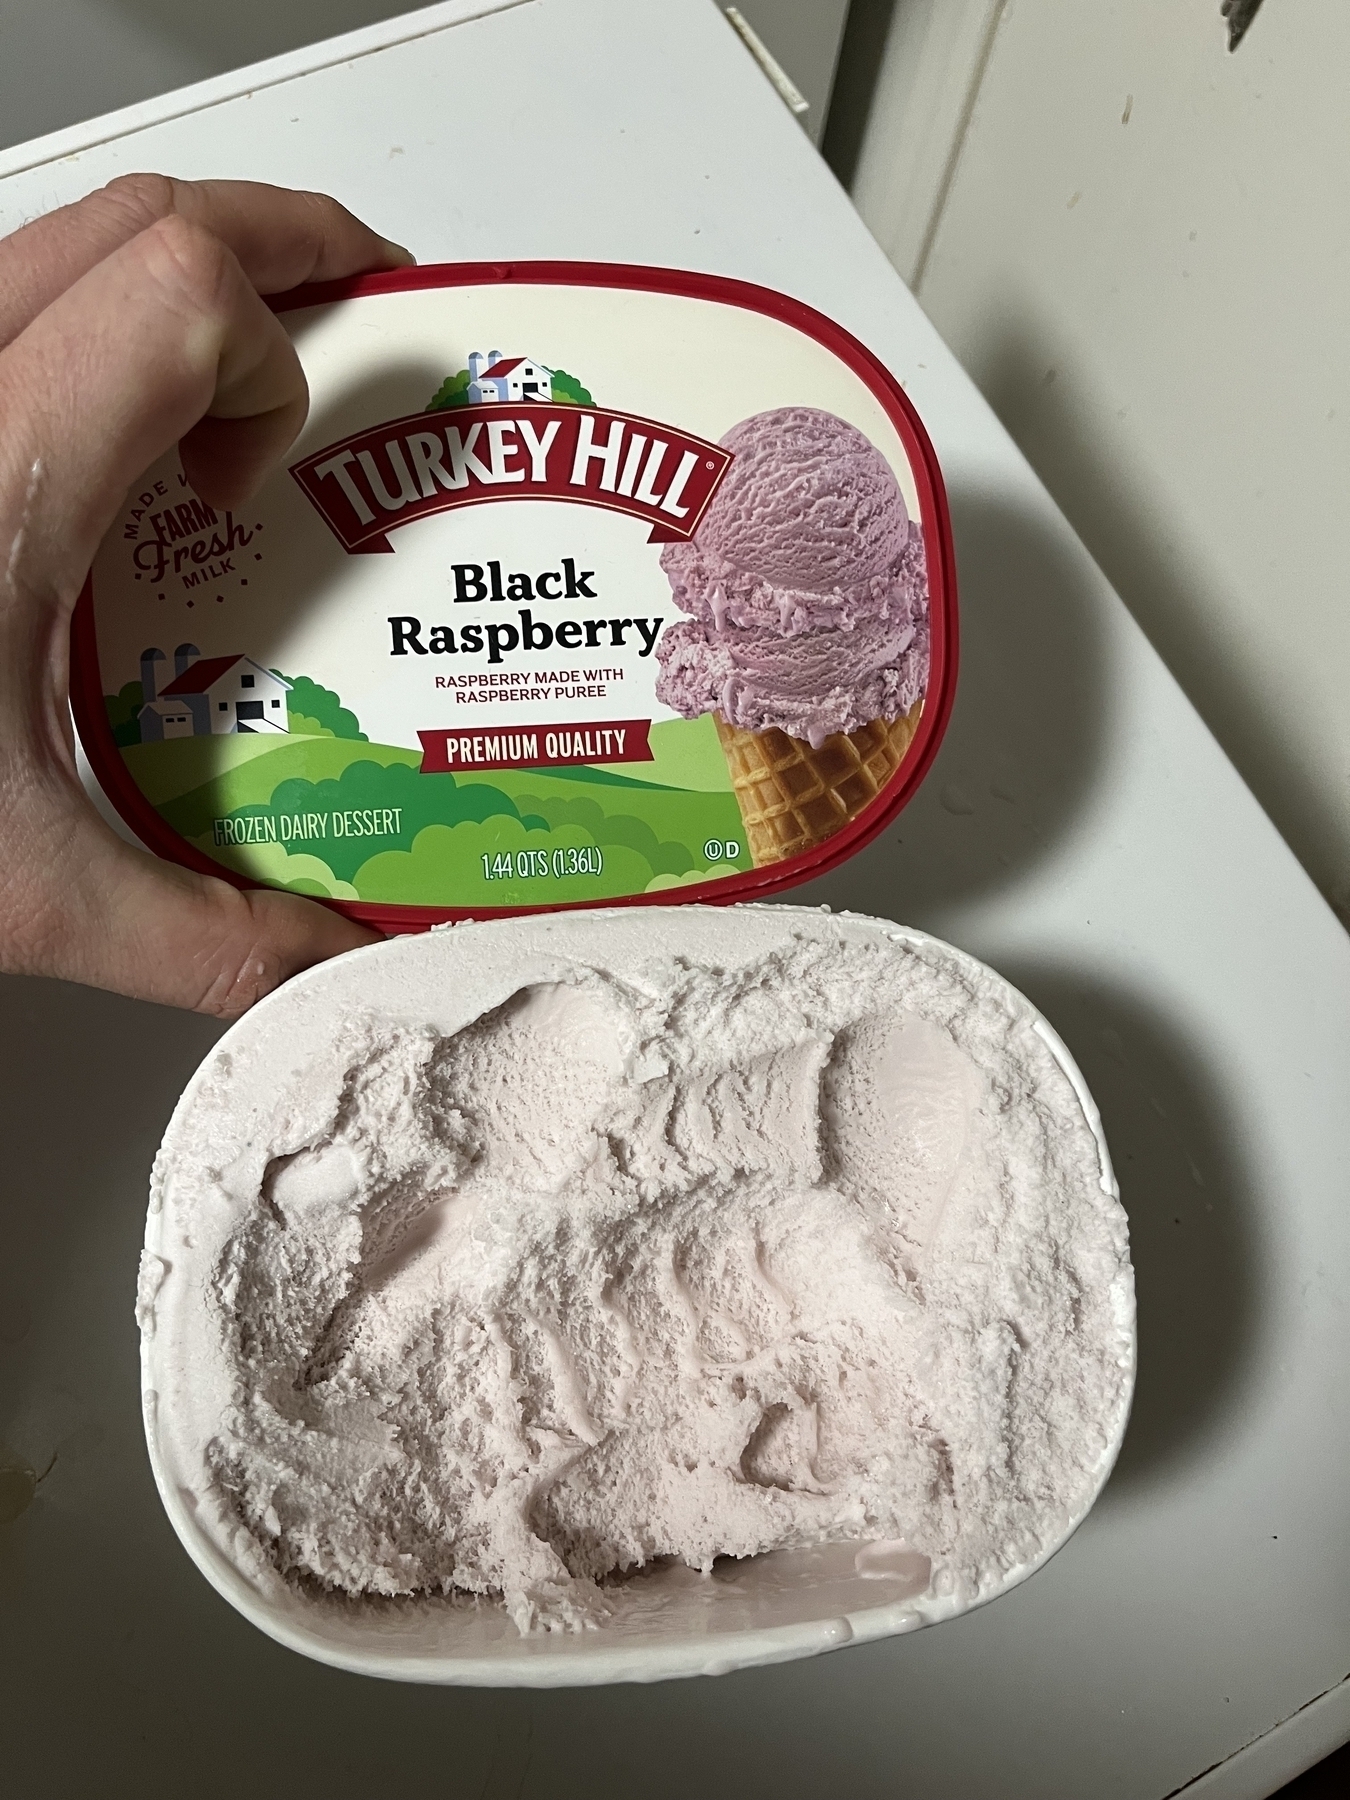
(397, 253)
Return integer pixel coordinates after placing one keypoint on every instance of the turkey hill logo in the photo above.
(521, 431)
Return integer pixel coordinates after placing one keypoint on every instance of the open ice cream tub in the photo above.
(583, 584)
(613, 1296)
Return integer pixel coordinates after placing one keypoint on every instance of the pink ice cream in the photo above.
(805, 585)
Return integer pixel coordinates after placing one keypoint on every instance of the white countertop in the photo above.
(1081, 831)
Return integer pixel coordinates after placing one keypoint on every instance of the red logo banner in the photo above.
(447, 751)
(376, 480)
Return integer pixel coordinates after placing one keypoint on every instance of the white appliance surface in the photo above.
(1081, 831)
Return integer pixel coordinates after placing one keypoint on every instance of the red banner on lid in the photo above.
(376, 480)
(558, 746)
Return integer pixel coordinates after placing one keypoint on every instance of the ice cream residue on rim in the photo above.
(669, 1254)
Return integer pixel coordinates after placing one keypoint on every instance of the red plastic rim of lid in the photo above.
(86, 686)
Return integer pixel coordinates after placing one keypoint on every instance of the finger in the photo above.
(75, 901)
(78, 903)
(281, 237)
(115, 372)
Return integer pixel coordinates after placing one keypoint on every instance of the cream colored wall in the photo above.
(1139, 245)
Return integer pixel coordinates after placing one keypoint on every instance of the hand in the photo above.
(129, 322)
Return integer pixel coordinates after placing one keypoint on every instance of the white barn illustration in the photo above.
(209, 696)
(511, 378)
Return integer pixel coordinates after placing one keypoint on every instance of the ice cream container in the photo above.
(583, 584)
(617, 1295)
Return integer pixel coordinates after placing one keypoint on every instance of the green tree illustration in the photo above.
(308, 703)
(453, 391)
(420, 800)
(568, 391)
(445, 862)
(668, 858)
(124, 713)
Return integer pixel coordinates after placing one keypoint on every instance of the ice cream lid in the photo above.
(654, 602)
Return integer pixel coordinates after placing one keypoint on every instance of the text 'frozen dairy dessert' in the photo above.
(538, 1260)
(807, 636)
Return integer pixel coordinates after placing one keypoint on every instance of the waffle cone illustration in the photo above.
(792, 796)
(804, 592)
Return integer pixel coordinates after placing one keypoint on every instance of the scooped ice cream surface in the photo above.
(805, 586)
(518, 1258)
(810, 686)
(809, 521)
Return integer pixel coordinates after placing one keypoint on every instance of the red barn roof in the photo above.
(199, 675)
(505, 367)
(207, 670)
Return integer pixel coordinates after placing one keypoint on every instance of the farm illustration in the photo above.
(492, 378)
(209, 696)
(295, 796)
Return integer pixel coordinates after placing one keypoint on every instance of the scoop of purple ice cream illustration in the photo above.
(806, 636)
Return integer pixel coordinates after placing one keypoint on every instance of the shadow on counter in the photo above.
(1138, 537)
(1024, 746)
(1193, 1233)
(82, 1110)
